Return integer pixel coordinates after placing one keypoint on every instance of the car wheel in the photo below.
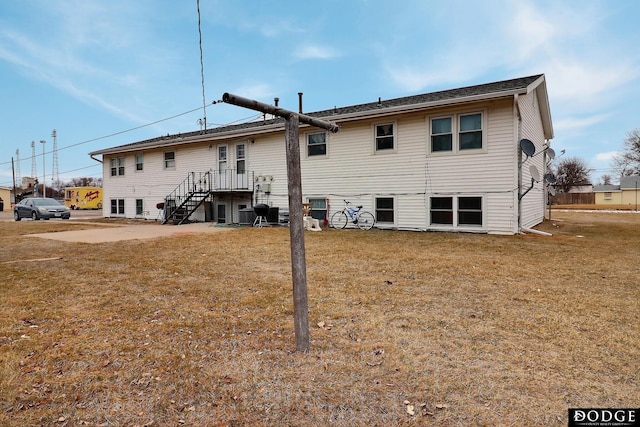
(34, 216)
(16, 216)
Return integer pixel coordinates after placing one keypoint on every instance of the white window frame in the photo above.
(394, 210)
(308, 145)
(455, 133)
(140, 212)
(455, 210)
(120, 207)
(317, 201)
(166, 162)
(117, 166)
(394, 135)
(139, 160)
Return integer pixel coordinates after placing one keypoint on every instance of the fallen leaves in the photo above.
(422, 409)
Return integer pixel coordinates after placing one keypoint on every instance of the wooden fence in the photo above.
(573, 199)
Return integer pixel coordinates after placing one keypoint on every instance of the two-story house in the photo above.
(451, 160)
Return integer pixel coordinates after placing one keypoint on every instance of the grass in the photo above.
(407, 328)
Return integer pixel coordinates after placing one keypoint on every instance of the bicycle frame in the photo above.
(351, 212)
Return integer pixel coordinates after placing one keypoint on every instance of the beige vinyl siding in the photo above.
(533, 203)
(154, 182)
(488, 174)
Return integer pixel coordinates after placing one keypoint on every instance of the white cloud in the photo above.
(315, 52)
(573, 123)
(606, 157)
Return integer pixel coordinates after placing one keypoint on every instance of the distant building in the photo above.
(626, 193)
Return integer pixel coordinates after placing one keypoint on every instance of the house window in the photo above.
(117, 206)
(470, 135)
(442, 210)
(384, 209)
(384, 137)
(318, 208)
(169, 159)
(607, 195)
(139, 207)
(441, 136)
(469, 210)
(117, 166)
(317, 144)
(456, 211)
(139, 162)
(240, 158)
(456, 133)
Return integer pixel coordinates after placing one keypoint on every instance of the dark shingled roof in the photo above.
(488, 89)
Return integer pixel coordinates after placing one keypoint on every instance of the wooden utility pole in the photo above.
(296, 226)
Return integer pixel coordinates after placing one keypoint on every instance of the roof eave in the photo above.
(540, 87)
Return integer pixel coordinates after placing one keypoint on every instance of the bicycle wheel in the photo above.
(339, 220)
(366, 220)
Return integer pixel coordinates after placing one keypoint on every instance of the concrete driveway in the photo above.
(117, 232)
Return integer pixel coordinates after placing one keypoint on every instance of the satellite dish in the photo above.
(550, 178)
(551, 154)
(552, 190)
(535, 175)
(527, 147)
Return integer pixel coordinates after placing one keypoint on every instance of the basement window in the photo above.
(385, 209)
(117, 206)
(456, 211)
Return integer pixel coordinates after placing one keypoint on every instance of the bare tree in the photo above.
(606, 179)
(572, 172)
(628, 162)
(84, 182)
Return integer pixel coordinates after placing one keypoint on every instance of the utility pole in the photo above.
(44, 175)
(296, 226)
(55, 174)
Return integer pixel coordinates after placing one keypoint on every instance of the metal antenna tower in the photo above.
(55, 175)
(34, 170)
(17, 168)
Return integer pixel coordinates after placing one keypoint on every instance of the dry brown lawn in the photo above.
(407, 328)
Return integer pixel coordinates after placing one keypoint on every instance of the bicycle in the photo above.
(363, 219)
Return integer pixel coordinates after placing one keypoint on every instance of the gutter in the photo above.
(97, 160)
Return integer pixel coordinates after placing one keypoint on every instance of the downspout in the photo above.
(516, 109)
(97, 160)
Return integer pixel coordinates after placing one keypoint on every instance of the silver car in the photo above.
(40, 208)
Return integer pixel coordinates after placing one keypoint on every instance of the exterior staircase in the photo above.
(188, 196)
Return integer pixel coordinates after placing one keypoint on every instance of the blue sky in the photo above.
(96, 69)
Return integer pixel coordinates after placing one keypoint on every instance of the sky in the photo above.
(106, 73)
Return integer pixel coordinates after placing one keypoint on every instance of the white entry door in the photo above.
(223, 180)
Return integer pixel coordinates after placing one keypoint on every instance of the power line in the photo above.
(204, 102)
(119, 133)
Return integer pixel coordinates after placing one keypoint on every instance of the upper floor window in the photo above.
(457, 133)
(169, 159)
(139, 162)
(117, 166)
(385, 137)
(241, 158)
(470, 134)
(317, 144)
(441, 136)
